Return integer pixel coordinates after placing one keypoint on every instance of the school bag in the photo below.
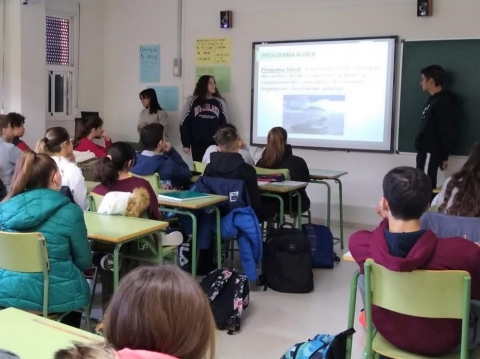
(321, 240)
(287, 261)
(229, 295)
(322, 346)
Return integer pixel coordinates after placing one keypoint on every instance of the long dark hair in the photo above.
(31, 171)
(201, 89)
(154, 106)
(275, 149)
(52, 142)
(107, 169)
(85, 126)
(467, 200)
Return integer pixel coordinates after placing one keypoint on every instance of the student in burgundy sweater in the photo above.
(399, 244)
(17, 122)
(204, 113)
(89, 129)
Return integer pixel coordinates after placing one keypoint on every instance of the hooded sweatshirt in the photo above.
(141, 354)
(406, 252)
(170, 166)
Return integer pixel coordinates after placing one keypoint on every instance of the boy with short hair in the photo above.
(9, 153)
(17, 121)
(160, 157)
(400, 245)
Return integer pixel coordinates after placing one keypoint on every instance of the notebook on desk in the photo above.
(182, 196)
(288, 183)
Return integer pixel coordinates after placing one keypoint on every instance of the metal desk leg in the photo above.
(219, 237)
(299, 209)
(340, 201)
(329, 198)
(116, 266)
(351, 311)
(282, 205)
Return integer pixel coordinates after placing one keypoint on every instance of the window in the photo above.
(62, 60)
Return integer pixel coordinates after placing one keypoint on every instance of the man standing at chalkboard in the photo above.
(436, 133)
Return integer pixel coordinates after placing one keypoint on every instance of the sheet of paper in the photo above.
(168, 97)
(222, 75)
(149, 63)
(217, 51)
(288, 183)
(261, 183)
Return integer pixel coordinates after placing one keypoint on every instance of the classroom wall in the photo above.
(128, 25)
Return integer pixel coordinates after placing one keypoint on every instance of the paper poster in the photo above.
(168, 97)
(214, 51)
(149, 63)
(222, 75)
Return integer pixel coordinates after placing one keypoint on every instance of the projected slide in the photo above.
(326, 94)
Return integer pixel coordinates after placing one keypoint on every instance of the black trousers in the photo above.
(198, 151)
(433, 166)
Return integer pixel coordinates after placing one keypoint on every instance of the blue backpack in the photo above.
(321, 241)
(322, 346)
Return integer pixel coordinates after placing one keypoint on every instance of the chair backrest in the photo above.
(23, 252)
(268, 171)
(94, 201)
(431, 294)
(444, 225)
(199, 166)
(154, 181)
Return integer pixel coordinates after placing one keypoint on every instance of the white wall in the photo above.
(127, 25)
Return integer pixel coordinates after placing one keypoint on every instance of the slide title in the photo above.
(282, 55)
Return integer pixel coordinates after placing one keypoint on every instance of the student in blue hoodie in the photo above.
(160, 157)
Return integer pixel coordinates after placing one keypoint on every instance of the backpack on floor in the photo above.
(287, 262)
(229, 295)
(323, 346)
(321, 240)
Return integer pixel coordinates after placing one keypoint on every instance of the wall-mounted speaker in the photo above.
(226, 19)
(424, 8)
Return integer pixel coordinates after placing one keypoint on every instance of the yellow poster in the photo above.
(214, 51)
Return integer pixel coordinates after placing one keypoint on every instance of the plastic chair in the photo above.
(154, 181)
(27, 253)
(431, 294)
(199, 166)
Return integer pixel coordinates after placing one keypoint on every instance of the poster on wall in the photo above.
(222, 75)
(168, 97)
(149, 63)
(214, 51)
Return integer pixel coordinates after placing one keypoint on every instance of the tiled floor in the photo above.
(274, 321)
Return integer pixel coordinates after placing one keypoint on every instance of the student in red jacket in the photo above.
(17, 122)
(399, 244)
(91, 128)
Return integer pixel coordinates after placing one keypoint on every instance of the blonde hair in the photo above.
(161, 309)
(87, 351)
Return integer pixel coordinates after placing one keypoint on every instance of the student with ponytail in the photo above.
(34, 204)
(89, 129)
(278, 155)
(57, 145)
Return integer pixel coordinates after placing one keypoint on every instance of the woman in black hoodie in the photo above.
(278, 155)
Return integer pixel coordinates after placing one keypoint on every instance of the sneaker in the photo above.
(106, 263)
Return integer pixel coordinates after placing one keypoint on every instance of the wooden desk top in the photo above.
(326, 174)
(279, 188)
(194, 204)
(34, 337)
(118, 229)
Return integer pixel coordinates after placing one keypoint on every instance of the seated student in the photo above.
(34, 204)
(399, 244)
(113, 173)
(57, 145)
(9, 153)
(460, 193)
(17, 122)
(243, 149)
(160, 157)
(88, 129)
(278, 155)
(158, 312)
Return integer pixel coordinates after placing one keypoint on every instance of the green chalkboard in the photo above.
(461, 61)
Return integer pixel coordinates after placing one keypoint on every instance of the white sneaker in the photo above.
(172, 239)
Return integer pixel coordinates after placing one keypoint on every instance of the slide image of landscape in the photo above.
(314, 114)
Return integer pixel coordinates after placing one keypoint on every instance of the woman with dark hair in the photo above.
(460, 195)
(88, 129)
(204, 113)
(278, 155)
(152, 112)
(34, 204)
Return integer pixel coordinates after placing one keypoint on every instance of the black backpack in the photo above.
(287, 261)
(229, 295)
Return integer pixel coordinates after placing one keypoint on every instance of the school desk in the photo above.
(119, 230)
(276, 189)
(187, 208)
(33, 337)
(321, 177)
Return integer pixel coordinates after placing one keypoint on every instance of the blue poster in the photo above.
(168, 97)
(149, 63)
